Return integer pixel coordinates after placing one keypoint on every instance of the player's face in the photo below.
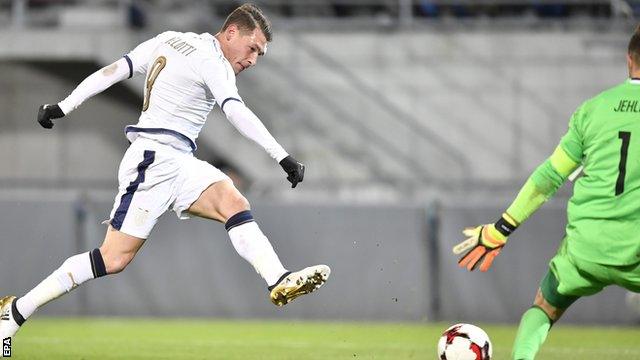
(244, 48)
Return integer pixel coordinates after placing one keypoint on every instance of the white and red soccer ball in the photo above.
(464, 342)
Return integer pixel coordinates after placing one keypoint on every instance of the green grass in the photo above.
(64, 338)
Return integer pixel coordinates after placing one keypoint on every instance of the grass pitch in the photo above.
(52, 338)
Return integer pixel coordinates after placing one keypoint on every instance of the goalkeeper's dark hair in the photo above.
(247, 18)
(634, 46)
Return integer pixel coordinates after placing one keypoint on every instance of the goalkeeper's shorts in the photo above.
(154, 177)
(570, 278)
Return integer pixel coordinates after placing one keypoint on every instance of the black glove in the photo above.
(294, 170)
(46, 113)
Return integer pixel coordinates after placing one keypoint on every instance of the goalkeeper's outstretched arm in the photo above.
(485, 242)
(541, 186)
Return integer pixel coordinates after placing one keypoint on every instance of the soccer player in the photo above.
(186, 75)
(602, 242)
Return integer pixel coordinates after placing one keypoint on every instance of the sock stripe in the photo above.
(238, 219)
(93, 267)
(97, 263)
(17, 317)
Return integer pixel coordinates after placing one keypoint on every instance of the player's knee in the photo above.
(236, 203)
(553, 313)
(242, 204)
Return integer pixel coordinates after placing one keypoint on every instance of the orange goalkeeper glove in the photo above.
(484, 243)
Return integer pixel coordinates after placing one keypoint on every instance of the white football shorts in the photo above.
(154, 177)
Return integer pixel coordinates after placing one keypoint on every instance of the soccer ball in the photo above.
(464, 342)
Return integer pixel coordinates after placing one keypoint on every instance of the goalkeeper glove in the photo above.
(484, 243)
(294, 170)
(46, 113)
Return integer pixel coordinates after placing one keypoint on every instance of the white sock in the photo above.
(73, 272)
(253, 246)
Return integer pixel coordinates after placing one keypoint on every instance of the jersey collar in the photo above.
(634, 81)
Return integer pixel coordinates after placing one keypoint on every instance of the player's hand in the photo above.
(294, 170)
(46, 113)
(483, 244)
(480, 248)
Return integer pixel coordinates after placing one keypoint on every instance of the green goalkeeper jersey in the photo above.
(604, 211)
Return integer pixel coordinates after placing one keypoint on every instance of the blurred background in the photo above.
(415, 118)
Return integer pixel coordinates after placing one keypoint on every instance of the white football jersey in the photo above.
(186, 75)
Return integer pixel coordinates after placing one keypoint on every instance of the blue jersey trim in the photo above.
(126, 57)
(125, 200)
(180, 136)
(228, 99)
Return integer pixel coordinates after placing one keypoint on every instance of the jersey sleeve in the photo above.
(220, 81)
(95, 84)
(248, 124)
(138, 59)
(573, 141)
(133, 63)
(542, 185)
(551, 174)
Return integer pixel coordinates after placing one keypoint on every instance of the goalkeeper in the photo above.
(602, 242)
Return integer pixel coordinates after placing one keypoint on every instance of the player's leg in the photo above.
(224, 203)
(567, 279)
(141, 199)
(116, 252)
(537, 321)
(221, 201)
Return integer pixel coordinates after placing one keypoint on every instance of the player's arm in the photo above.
(248, 124)
(92, 85)
(251, 127)
(485, 242)
(132, 64)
